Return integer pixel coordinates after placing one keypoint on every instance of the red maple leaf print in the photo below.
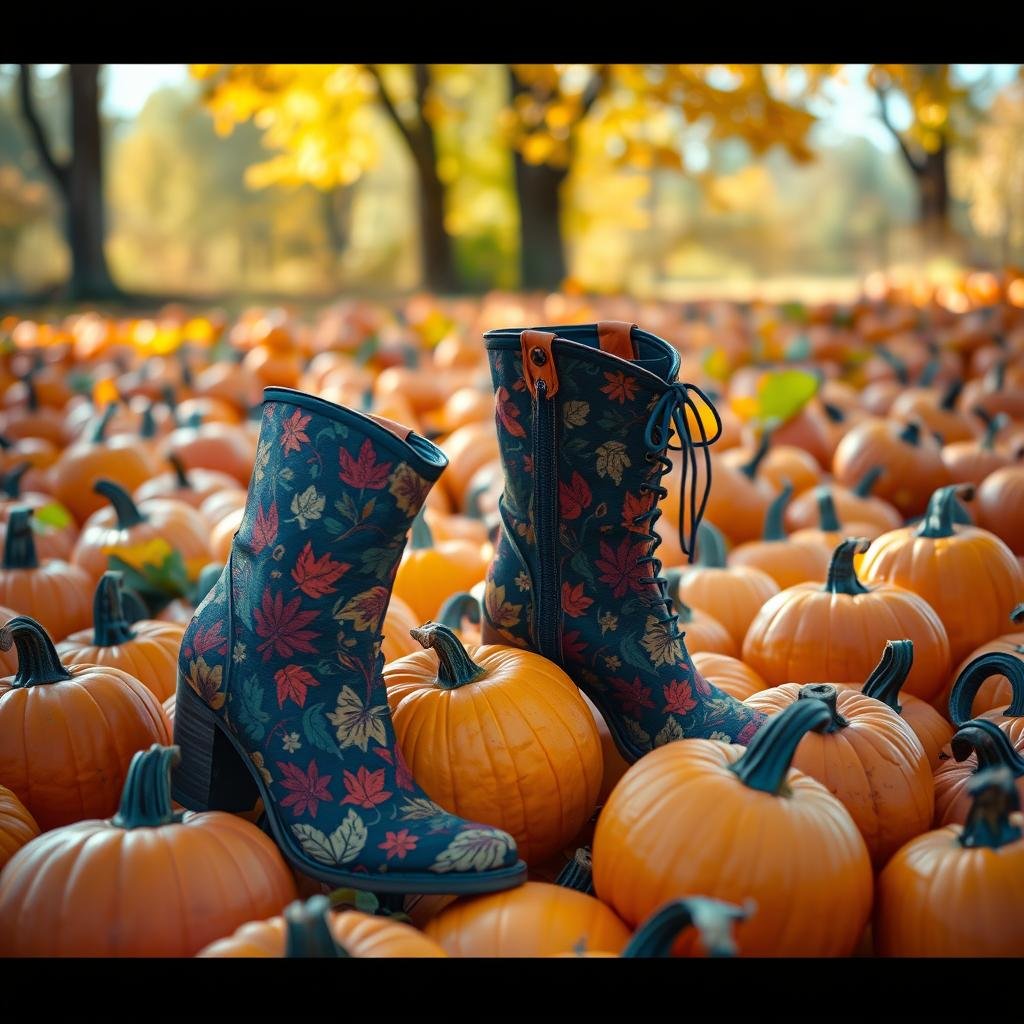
(307, 788)
(703, 686)
(571, 646)
(574, 601)
(365, 472)
(204, 640)
(621, 568)
(574, 497)
(398, 844)
(634, 697)
(282, 626)
(635, 506)
(366, 788)
(619, 387)
(746, 734)
(264, 530)
(293, 432)
(508, 414)
(292, 683)
(314, 576)
(678, 698)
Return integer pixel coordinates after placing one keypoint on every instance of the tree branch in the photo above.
(31, 116)
(389, 107)
(883, 104)
(595, 87)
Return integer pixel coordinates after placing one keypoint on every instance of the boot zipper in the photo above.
(547, 603)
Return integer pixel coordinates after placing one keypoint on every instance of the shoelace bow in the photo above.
(668, 415)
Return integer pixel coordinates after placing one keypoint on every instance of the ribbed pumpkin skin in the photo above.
(952, 801)
(57, 594)
(1000, 499)
(8, 659)
(680, 823)
(66, 746)
(786, 562)
(728, 674)
(733, 596)
(936, 898)
(361, 935)
(614, 765)
(875, 765)
(92, 889)
(970, 579)
(205, 484)
(516, 748)
(705, 633)
(400, 618)
(805, 635)
(803, 513)
(535, 919)
(17, 826)
(151, 656)
(427, 577)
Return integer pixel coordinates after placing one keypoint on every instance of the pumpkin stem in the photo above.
(38, 661)
(997, 376)
(132, 607)
(473, 496)
(911, 434)
(110, 626)
(10, 482)
(927, 376)
(765, 762)
(179, 471)
(991, 746)
(749, 469)
(710, 546)
(31, 394)
(827, 518)
(897, 364)
(951, 394)
(99, 432)
(128, 514)
(186, 370)
(5, 442)
(578, 874)
(993, 424)
(421, 535)
(674, 578)
(308, 933)
(713, 920)
(20, 544)
(146, 797)
(842, 577)
(147, 426)
(867, 482)
(965, 689)
(994, 799)
(833, 412)
(1017, 615)
(457, 608)
(939, 518)
(827, 694)
(170, 399)
(889, 675)
(774, 517)
(455, 667)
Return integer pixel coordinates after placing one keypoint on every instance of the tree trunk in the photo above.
(932, 178)
(436, 250)
(541, 245)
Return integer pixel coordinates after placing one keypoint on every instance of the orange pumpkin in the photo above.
(399, 622)
(728, 674)
(491, 733)
(146, 649)
(461, 614)
(224, 447)
(853, 505)
(809, 876)
(936, 409)
(217, 506)
(703, 631)
(53, 524)
(961, 698)
(971, 461)
(614, 766)
(829, 530)
(17, 826)
(995, 692)
(808, 632)
(193, 488)
(106, 880)
(468, 448)
(1000, 499)
(999, 391)
(68, 735)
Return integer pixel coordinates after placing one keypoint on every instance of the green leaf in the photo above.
(333, 525)
(314, 725)
(357, 899)
(53, 514)
(580, 563)
(633, 654)
(378, 561)
(785, 393)
(251, 715)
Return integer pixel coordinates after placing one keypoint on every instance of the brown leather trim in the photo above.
(615, 338)
(539, 361)
(402, 433)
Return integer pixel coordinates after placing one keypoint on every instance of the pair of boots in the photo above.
(280, 693)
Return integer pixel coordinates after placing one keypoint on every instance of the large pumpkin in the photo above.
(868, 757)
(728, 674)
(809, 873)
(959, 891)
(101, 887)
(498, 735)
(969, 576)
(67, 736)
(808, 633)
(1000, 499)
(17, 826)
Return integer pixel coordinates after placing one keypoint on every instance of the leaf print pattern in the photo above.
(574, 601)
(508, 414)
(621, 567)
(619, 388)
(290, 664)
(473, 850)
(612, 460)
(574, 497)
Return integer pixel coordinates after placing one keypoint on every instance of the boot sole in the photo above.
(215, 773)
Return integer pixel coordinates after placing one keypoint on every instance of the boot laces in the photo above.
(668, 416)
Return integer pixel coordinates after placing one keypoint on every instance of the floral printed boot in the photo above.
(280, 693)
(584, 416)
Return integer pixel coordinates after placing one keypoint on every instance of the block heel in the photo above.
(212, 775)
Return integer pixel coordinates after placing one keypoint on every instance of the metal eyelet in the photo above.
(538, 356)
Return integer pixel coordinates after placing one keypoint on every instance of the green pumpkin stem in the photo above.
(1017, 615)
(710, 546)
(38, 661)
(997, 377)
(20, 543)
(842, 577)
(827, 694)
(421, 536)
(99, 432)
(965, 689)
(951, 394)
(110, 625)
(833, 412)
(940, 515)
(179, 471)
(889, 675)
(457, 609)
(993, 425)
(146, 797)
(31, 394)
(578, 874)
(208, 576)
(911, 434)
(994, 798)
(10, 482)
(307, 931)
(774, 520)
(128, 514)
(990, 745)
(827, 518)
(897, 364)
(5, 443)
(927, 376)
(749, 469)
(455, 667)
(867, 482)
(713, 919)
(147, 426)
(766, 761)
